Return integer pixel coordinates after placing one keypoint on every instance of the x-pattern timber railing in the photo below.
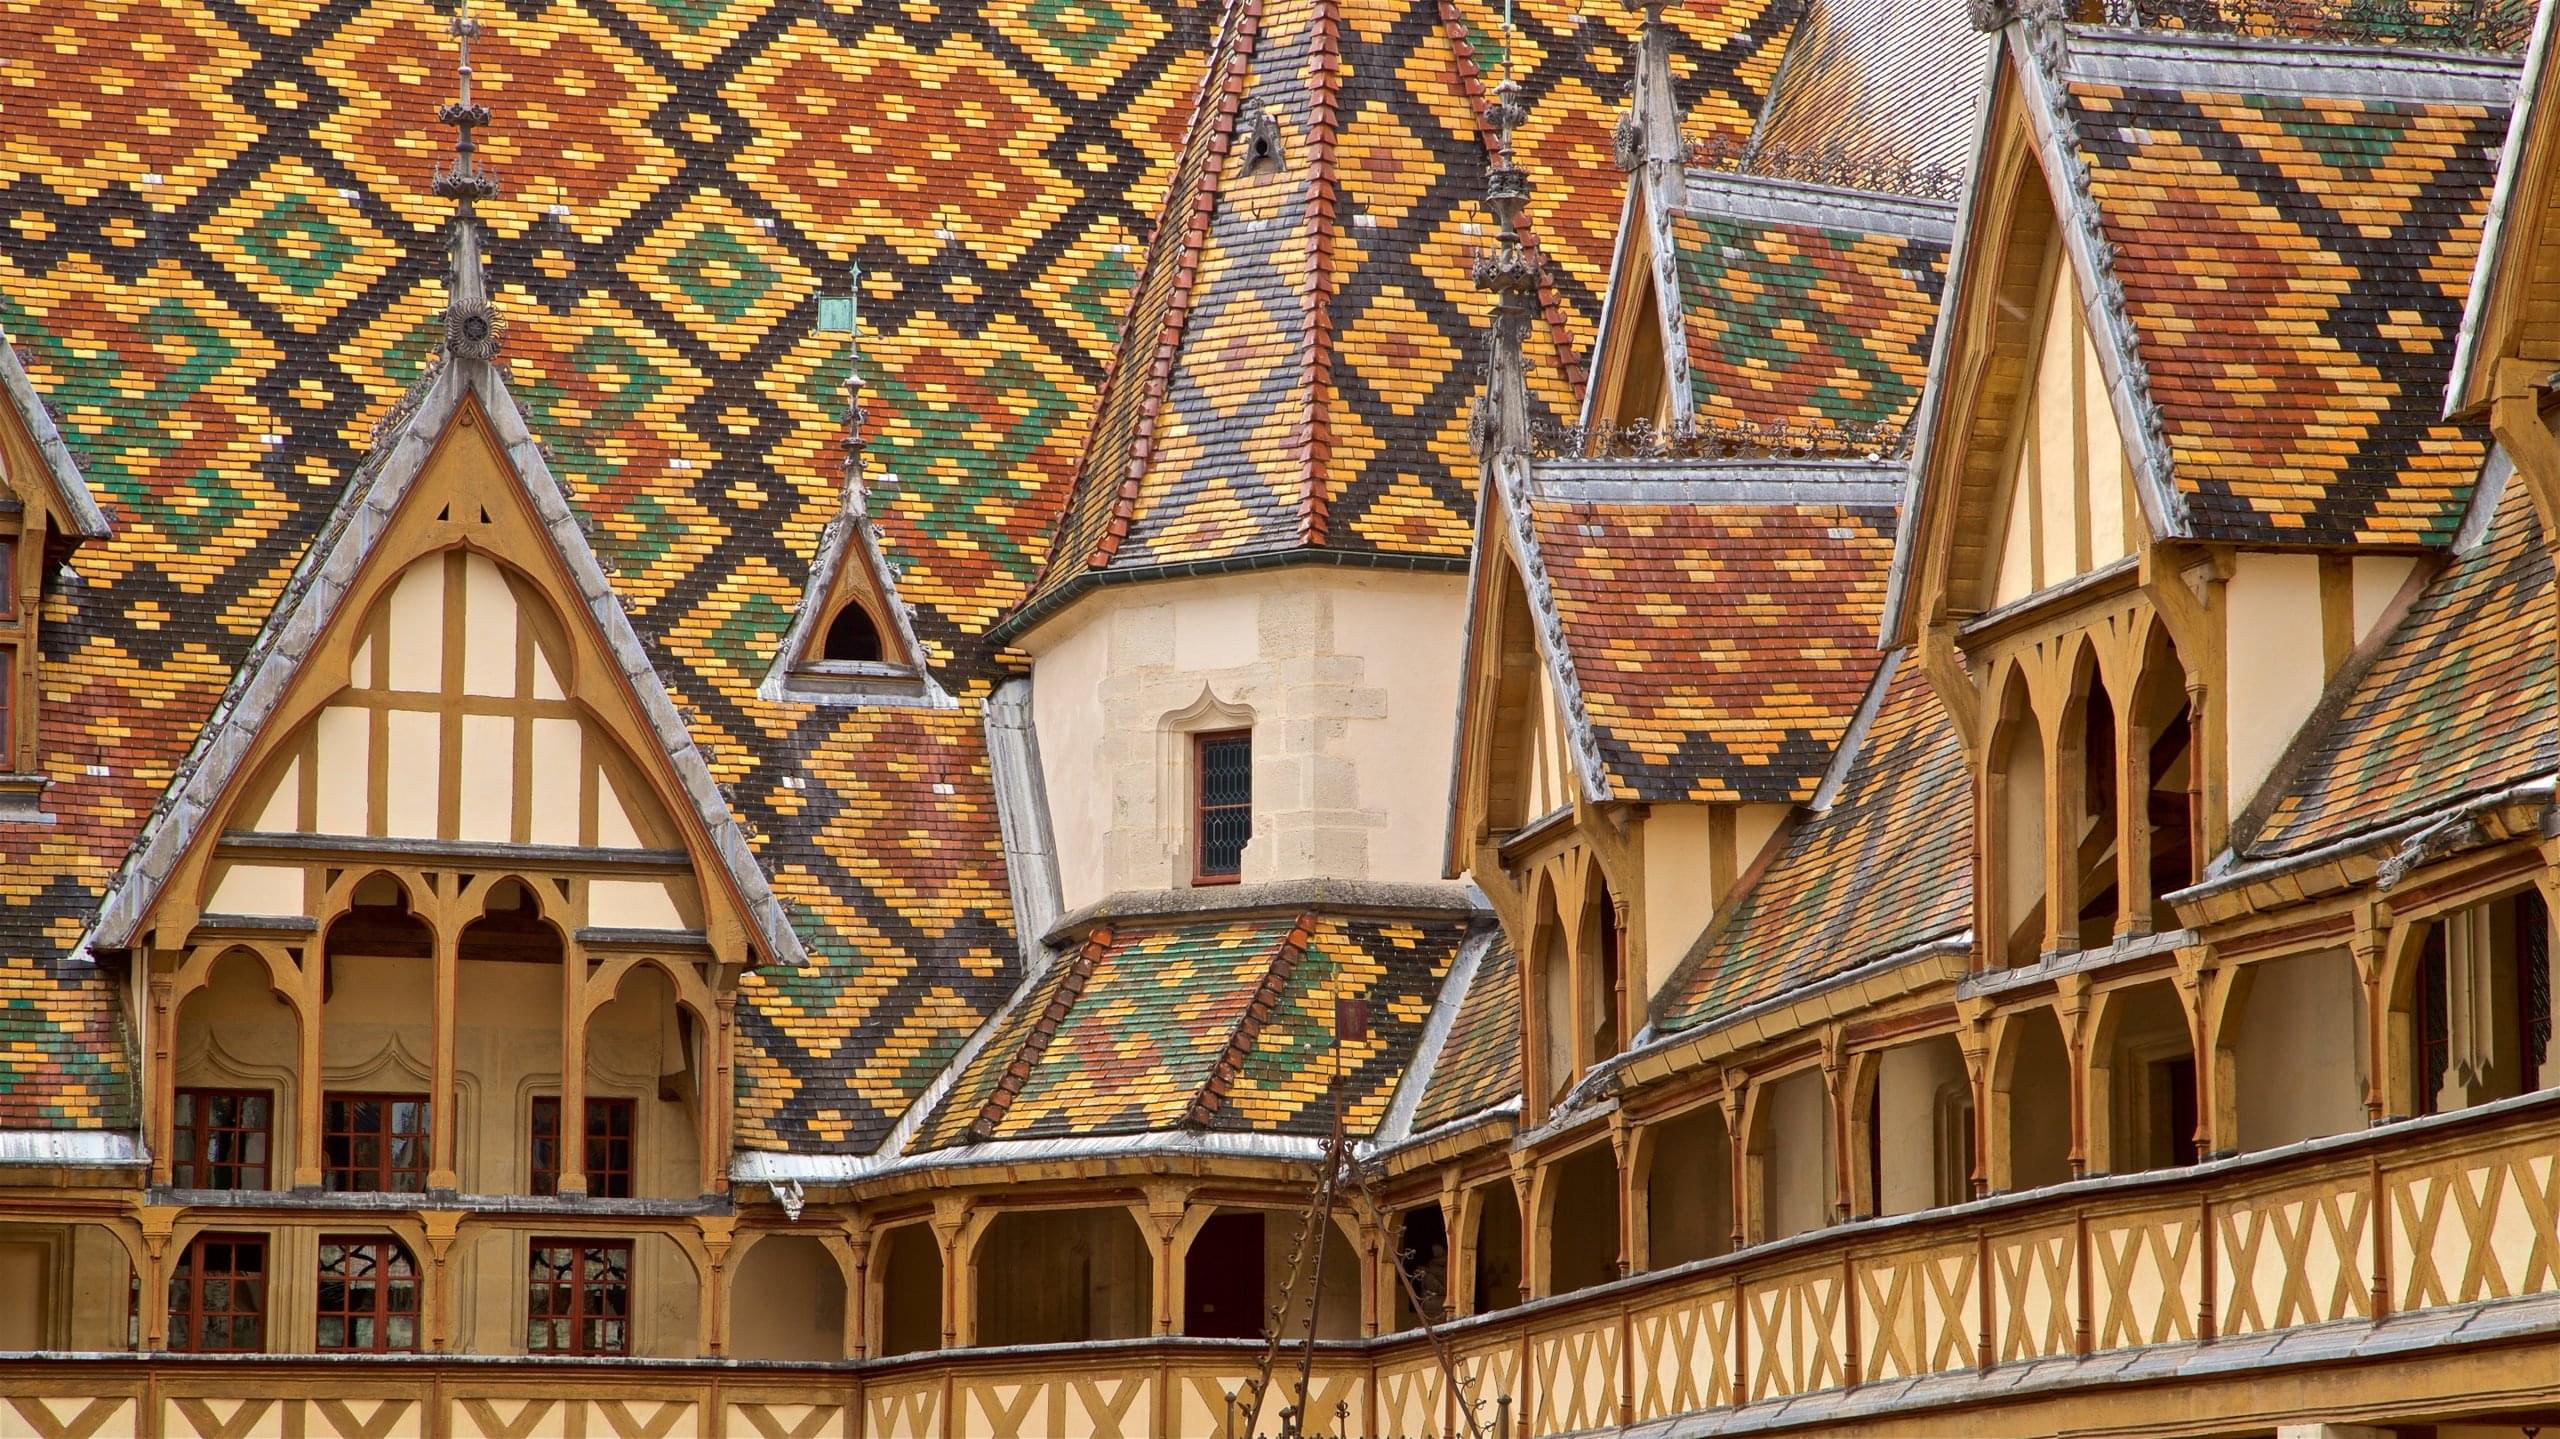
(2447, 1211)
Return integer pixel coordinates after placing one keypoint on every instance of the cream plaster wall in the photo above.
(1796, 1177)
(453, 699)
(1909, 1079)
(1689, 1190)
(1679, 897)
(2070, 507)
(1347, 678)
(2274, 675)
(2301, 1053)
(791, 1294)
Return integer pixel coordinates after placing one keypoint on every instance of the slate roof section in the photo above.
(1885, 868)
(1480, 1065)
(2294, 229)
(2459, 702)
(1806, 307)
(1204, 1024)
(219, 317)
(1878, 79)
(1720, 650)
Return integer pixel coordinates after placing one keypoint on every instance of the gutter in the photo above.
(1033, 612)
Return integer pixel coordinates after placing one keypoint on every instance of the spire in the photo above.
(470, 323)
(1510, 274)
(1649, 133)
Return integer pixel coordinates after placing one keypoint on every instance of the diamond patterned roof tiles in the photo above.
(1480, 1064)
(224, 269)
(2294, 251)
(1804, 323)
(1224, 1024)
(1719, 650)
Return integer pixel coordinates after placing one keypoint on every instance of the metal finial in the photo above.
(470, 321)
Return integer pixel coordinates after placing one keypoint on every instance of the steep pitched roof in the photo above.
(1805, 306)
(1479, 1066)
(1886, 866)
(1870, 80)
(1718, 623)
(2280, 229)
(687, 185)
(1209, 1024)
(311, 604)
(2459, 702)
(2293, 229)
(1294, 376)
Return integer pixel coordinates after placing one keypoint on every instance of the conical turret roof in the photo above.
(1296, 371)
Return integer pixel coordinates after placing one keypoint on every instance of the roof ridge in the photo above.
(1324, 99)
(1256, 1016)
(1035, 1043)
(1221, 97)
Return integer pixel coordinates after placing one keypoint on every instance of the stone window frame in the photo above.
(1177, 785)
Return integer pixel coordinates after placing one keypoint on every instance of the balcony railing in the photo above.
(2426, 1215)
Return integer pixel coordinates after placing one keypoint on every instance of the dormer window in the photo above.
(21, 567)
(1222, 770)
(852, 637)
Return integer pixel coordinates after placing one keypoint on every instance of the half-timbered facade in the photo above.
(1355, 718)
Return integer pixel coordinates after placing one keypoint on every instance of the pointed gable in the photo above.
(2509, 317)
(1716, 621)
(451, 640)
(2268, 243)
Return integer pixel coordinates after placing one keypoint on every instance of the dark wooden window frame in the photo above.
(576, 1298)
(190, 1134)
(389, 1266)
(383, 1174)
(609, 1154)
(1202, 809)
(236, 1297)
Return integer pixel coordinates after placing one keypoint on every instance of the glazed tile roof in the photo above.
(224, 270)
(1886, 74)
(1298, 365)
(1887, 866)
(2294, 230)
(1795, 313)
(2459, 702)
(1480, 1064)
(1719, 650)
(1203, 1024)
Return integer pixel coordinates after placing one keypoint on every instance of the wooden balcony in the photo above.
(2414, 1250)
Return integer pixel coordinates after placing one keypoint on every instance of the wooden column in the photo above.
(2065, 810)
(719, 1099)
(1621, 1148)
(856, 1261)
(444, 1086)
(2371, 948)
(950, 1218)
(2133, 813)
(2073, 1013)
(573, 1068)
(162, 1104)
(1835, 1093)
(1532, 1250)
(310, 1079)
